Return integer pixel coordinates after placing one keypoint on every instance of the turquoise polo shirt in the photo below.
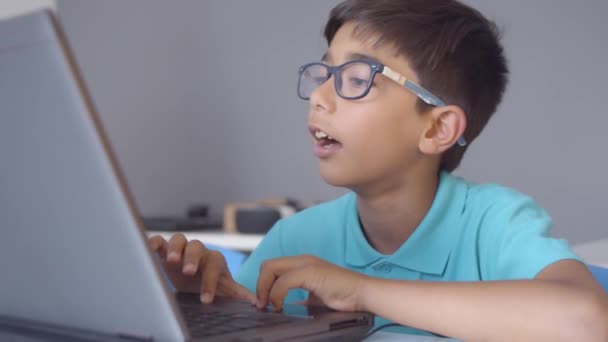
(472, 232)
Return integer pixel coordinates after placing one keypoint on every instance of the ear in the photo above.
(445, 126)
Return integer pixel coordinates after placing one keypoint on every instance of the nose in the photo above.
(323, 98)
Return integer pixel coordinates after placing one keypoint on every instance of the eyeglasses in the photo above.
(353, 80)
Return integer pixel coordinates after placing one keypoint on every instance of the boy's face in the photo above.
(378, 134)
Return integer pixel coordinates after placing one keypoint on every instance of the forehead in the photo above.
(348, 41)
(351, 42)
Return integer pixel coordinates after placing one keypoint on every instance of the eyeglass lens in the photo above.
(352, 79)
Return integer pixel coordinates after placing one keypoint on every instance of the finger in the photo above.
(176, 248)
(272, 269)
(214, 266)
(228, 287)
(158, 244)
(289, 280)
(314, 300)
(192, 255)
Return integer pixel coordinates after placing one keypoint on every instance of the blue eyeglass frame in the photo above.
(377, 68)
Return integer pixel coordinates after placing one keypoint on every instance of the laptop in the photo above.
(74, 258)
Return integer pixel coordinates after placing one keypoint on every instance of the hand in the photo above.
(336, 287)
(193, 268)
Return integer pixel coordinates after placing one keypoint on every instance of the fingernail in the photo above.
(173, 256)
(206, 297)
(188, 268)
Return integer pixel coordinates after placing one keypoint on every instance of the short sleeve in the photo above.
(515, 241)
(269, 248)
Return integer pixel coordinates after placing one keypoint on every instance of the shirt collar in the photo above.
(428, 249)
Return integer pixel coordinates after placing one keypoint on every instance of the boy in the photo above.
(403, 89)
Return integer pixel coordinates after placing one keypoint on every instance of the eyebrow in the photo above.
(352, 56)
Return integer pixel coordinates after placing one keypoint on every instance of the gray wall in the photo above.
(199, 101)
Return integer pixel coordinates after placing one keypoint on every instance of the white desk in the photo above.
(241, 242)
(593, 252)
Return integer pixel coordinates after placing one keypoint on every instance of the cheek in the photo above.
(381, 126)
(384, 137)
(373, 142)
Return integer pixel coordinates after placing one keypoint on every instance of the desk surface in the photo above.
(241, 242)
(593, 252)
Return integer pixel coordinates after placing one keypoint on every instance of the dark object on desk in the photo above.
(257, 220)
(259, 216)
(169, 223)
(198, 211)
(197, 218)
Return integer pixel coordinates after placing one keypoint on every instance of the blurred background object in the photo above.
(196, 218)
(259, 216)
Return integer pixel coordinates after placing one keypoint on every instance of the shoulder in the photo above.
(494, 215)
(494, 203)
(511, 233)
(489, 203)
(505, 221)
(492, 192)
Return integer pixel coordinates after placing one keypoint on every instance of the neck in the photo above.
(390, 213)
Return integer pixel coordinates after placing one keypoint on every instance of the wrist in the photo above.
(365, 293)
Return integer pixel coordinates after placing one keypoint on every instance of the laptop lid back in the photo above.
(71, 251)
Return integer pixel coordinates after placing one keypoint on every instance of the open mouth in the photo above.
(324, 140)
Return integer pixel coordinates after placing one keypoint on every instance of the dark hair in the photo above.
(453, 49)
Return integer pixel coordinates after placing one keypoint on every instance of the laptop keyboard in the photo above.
(210, 323)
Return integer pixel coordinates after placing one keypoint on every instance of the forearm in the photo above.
(508, 311)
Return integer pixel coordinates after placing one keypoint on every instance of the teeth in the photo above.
(321, 135)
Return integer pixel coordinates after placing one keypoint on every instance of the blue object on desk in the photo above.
(234, 259)
(601, 274)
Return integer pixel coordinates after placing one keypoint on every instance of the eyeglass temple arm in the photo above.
(422, 93)
(431, 99)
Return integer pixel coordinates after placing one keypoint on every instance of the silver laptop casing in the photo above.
(62, 200)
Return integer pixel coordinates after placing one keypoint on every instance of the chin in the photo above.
(336, 177)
